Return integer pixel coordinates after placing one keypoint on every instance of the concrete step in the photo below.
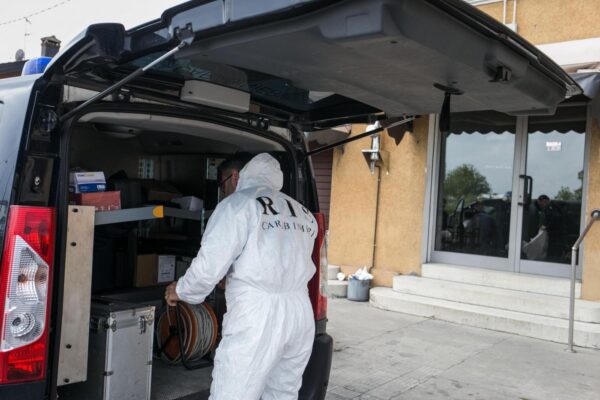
(336, 289)
(541, 327)
(525, 302)
(332, 271)
(500, 279)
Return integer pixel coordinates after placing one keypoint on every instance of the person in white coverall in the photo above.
(262, 241)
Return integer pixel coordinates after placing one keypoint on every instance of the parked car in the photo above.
(209, 79)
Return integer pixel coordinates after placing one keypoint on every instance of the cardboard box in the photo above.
(154, 269)
(146, 270)
(103, 201)
(87, 182)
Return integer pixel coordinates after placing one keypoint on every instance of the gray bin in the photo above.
(358, 290)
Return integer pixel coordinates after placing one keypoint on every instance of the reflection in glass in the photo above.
(475, 188)
(553, 193)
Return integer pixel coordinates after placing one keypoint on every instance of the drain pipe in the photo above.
(376, 215)
(514, 19)
(574, 252)
(376, 158)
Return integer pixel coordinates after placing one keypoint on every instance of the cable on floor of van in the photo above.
(198, 327)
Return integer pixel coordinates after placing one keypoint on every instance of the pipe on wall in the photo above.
(376, 215)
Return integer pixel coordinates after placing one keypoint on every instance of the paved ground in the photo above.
(385, 355)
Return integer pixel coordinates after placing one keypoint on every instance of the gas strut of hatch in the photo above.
(127, 79)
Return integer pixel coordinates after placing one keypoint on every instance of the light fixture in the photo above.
(375, 156)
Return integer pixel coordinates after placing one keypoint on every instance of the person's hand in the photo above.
(171, 294)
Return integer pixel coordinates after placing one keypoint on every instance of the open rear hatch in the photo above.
(324, 63)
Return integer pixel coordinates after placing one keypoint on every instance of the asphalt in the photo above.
(381, 355)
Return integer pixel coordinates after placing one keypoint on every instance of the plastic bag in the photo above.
(537, 248)
(362, 275)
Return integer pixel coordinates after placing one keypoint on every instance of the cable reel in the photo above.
(196, 328)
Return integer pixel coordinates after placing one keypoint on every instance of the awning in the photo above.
(589, 80)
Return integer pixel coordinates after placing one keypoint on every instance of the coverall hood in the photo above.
(262, 170)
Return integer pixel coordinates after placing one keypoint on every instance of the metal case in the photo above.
(120, 354)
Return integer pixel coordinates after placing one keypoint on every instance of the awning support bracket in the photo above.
(372, 132)
(445, 113)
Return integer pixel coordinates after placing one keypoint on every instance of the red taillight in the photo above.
(317, 287)
(25, 282)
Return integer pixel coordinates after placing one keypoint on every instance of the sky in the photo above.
(65, 19)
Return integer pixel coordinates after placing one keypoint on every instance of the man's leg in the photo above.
(249, 349)
(241, 366)
(285, 378)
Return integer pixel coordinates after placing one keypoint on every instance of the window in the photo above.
(510, 190)
(475, 186)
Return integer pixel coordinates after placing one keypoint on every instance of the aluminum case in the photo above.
(120, 353)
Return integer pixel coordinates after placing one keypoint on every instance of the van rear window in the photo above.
(258, 84)
(268, 88)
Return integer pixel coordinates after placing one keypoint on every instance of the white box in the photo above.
(87, 182)
(166, 269)
(189, 203)
(213, 95)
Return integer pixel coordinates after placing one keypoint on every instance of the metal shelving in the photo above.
(144, 213)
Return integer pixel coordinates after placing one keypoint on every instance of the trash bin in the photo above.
(358, 290)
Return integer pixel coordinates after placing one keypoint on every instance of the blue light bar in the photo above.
(35, 65)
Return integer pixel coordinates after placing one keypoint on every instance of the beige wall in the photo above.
(550, 21)
(590, 289)
(401, 202)
(352, 215)
(352, 219)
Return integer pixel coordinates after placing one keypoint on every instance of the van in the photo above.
(150, 112)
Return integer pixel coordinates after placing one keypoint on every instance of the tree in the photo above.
(565, 194)
(465, 181)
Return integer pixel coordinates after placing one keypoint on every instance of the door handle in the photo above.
(527, 189)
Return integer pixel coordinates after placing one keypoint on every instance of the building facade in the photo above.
(497, 192)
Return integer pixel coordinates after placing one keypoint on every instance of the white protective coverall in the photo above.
(262, 240)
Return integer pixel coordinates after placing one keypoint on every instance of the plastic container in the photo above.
(358, 290)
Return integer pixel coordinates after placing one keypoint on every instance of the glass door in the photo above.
(509, 191)
(474, 200)
(550, 191)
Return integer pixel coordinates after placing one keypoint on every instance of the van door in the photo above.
(324, 63)
(27, 231)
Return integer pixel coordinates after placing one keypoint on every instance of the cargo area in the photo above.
(141, 190)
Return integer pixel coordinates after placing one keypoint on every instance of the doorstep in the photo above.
(528, 305)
